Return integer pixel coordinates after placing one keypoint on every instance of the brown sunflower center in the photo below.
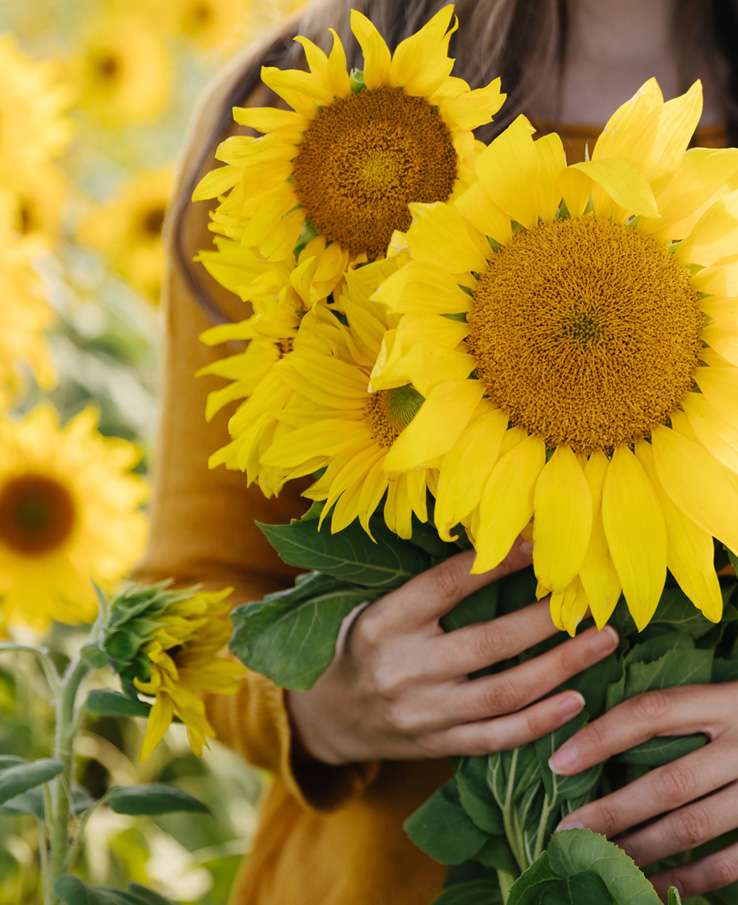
(201, 14)
(586, 332)
(107, 66)
(152, 221)
(389, 412)
(37, 514)
(364, 158)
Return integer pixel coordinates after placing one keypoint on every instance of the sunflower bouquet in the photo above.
(459, 343)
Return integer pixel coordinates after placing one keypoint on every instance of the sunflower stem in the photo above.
(67, 727)
(506, 882)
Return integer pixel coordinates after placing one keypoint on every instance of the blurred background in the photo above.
(95, 97)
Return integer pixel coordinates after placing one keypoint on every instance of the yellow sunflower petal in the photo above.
(690, 550)
(623, 183)
(569, 607)
(467, 466)
(471, 109)
(507, 502)
(440, 236)
(636, 534)
(714, 432)
(266, 119)
(433, 431)
(720, 387)
(598, 575)
(424, 289)
(723, 339)
(480, 210)
(715, 234)
(562, 521)
(420, 63)
(159, 721)
(700, 486)
(377, 58)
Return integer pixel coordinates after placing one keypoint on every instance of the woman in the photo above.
(357, 754)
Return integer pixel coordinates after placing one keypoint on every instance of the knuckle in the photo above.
(367, 632)
(592, 738)
(402, 719)
(650, 706)
(676, 784)
(431, 746)
(607, 818)
(486, 641)
(724, 870)
(501, 696)
(537, 722)
(387, 680)
(692, 827)
(448, 579)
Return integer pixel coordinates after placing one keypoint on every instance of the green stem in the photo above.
(64, 738)
(506, 882)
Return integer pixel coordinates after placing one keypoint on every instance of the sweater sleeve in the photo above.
(203, 525)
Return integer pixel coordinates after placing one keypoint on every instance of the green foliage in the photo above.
(153, 799)
(102, 702)
(303, 621)
(461, 839)
(473, 892)
(19, 778)
(73, 891)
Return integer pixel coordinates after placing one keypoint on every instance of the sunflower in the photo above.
(340, 167)
(34, 127)
(128, 230)
(332, 420)
(26, 315)
(69, 515)
(35, 205)
(123, 71)
(183, 664)
(600, 334)
(210, 24)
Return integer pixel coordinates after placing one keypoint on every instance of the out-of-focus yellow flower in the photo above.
(26, 314)
(33, 126)
(128, 230)
(69, 515)
(183, 664)
(123, 71)
(211, 24)
(34, 205)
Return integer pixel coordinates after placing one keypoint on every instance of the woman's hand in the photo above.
(399, 686)
(698, 794)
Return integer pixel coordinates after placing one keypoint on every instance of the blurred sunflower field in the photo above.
(94, 103)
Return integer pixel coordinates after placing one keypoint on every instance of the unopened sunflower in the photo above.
(168, 644)
(128, 230)
(333, 175)
(69, 515)
(600, 333)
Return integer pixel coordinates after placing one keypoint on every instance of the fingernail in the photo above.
(564, 760)
(567, 824)
(605, 641)
(571, 704)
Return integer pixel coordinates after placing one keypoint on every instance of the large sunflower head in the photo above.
(69, 515)
(128, 230)
(168, 644)
(123, 70)
(600, 331)
(340, 168)
(333, 421)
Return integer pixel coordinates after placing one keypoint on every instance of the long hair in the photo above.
(522, 41)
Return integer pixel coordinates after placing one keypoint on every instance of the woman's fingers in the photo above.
(506, 732)
(423, 600)
(476, 646)
(658, 792)
(515, 688)
(703, 876)
(687, 828)
(673, 711)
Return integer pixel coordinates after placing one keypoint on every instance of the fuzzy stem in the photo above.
(506, 882)
(64, 738)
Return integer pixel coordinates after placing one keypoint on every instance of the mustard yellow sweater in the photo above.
(327, 835)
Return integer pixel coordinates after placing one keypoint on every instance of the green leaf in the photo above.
(102, 702)
(674, 897)
(481, 606)
(31, 804)
(290, 636)
(475, 892)
(475, 796)
(147, 896)
(350, 555)
(580, 851)
(22, 777)
(94, 656)
(153, 799)
(531, 886)
(496, 855)
(9, 760)
(443, 830)
(663, 750)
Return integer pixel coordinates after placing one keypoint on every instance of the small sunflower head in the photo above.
(166, 644)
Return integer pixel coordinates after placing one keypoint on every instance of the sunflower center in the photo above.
(586, 332)
(107, 66)
(389, 412)
(201, 14)
(152, 221)
(37, 514)
(364, 158)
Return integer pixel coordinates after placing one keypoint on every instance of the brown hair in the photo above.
(523, 41)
